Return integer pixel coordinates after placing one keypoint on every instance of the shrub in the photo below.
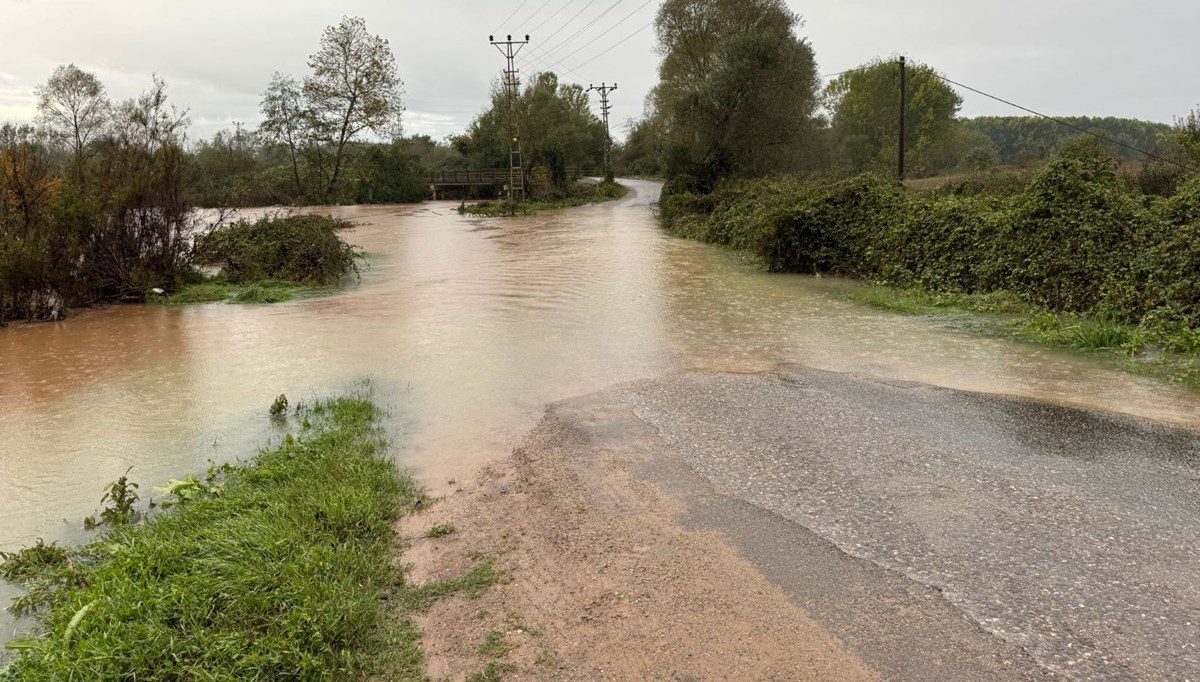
(1074, 230)
(305, 249)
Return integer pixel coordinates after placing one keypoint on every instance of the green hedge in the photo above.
(1075, 239)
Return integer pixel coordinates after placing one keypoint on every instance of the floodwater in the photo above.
(467, 328)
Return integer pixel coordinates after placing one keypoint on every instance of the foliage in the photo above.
(119, 501)
(579, 194)
(1113, 269)
(353, 88)
(304, 249)
(554, 124)
(93, 209)
(1023, 139)
(865, 118)
(737, 91)
(280, 576)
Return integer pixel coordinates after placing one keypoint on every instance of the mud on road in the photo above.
(803, 524)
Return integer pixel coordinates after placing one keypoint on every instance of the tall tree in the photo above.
(738, 88)
(865, 106)
(73, 107)
(354, 87)
(557, 129)
(287, 121)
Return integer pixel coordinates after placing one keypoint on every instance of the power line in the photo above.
(609, 30)
(535, 12)
(551, 17)
(514, 13)
(568, 22)
(586, 26)
(561, 68)
(615, 46)
(1068, 124)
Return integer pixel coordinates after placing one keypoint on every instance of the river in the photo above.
(467, 328)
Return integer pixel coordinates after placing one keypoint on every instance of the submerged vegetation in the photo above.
(278, 568)
(270, 260)
(275, 573)
(578, 195)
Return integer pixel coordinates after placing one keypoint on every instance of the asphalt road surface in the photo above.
(941, 534)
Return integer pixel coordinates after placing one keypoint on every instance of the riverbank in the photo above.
(1092, 263)
(1172, 356)
(581, 195)
(277, 568)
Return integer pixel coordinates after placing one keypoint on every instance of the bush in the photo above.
(305, 249)
(1076, 239)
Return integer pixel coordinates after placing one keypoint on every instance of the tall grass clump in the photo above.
(275, 571)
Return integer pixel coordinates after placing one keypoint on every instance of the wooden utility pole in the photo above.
(903, 111)
(512, 84)
(604, 109)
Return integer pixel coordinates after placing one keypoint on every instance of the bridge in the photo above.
(462, 178)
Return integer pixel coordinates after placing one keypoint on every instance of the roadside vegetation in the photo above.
(1073, 241)
(579, 194)
(278, 568)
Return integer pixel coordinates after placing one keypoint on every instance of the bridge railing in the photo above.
(491, 176)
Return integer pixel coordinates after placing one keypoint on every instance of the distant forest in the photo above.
(1020, 139)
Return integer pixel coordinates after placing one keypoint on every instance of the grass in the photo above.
(440, 530)
(581, 195)
(1164, 352)
(217, 290)
(495, 645)
(278, 574)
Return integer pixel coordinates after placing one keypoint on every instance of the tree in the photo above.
(287, 121)
(73, 107)
(353, 87)
(866, 116)
(555, 123)
(738, 88)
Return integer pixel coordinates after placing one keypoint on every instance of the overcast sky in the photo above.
(1063, 57)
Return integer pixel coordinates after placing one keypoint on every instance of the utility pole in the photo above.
(512, 84)
(604, 109)
(903, 111)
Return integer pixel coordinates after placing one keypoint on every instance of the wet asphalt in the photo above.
(944, 534)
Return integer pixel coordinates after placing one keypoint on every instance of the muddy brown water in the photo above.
(467, 328)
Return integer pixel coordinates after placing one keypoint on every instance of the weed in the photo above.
(492, 673)
(121, 497)
(495, 645)
(440, 530)
(420, 597)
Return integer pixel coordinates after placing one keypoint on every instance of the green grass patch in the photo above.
(277, 572)
(917, 302)
(1161, 348)
(217, 290)
(420, 597)
(493, 672)
(580, 196)
(440, 530)
(495, 645)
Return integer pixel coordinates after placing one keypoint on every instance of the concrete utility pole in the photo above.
(512, 84)
(903, 112)
(604, 109)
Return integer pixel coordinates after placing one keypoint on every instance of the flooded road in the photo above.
(467, 328)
